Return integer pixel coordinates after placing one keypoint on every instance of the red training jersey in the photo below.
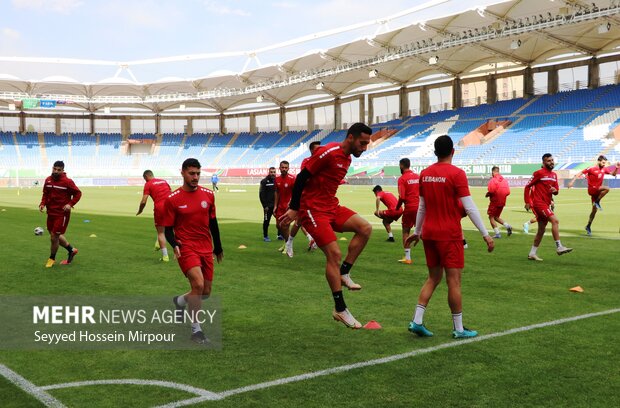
(498, 189)
(442, 185)
(158, 189)
(595, 175)
(409, 189)
(58, 193)
(328, 166)
(304, 162)
(543, 180)
(388, 199)
(284, 186)
(189, 212)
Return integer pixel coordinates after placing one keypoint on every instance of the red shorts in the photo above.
(158, 214)
(57, 224)
(280, 212)
(322, 224)
(190, 259)
(392, 214)
(495, 210)
(542, 213)
(409, 217)
(593, 193)
(449, 254)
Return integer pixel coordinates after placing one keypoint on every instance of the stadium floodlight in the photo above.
(604, 28)
(515, 44)
(433, 60)
(260, 98)
(373, 73)
(320, 86)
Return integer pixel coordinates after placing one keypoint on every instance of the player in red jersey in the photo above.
(595, 176)
(158, 190)
(60, 195)
(442, 187)
(284, 190)
(193, 233)
(297, 226)
(497, 191)
(389, 215)
(314, 197)
(539, 190)
(409, 195)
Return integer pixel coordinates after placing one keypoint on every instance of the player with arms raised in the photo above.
(595, 176)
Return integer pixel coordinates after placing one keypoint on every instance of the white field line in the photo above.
(205, 395)
(384, 360)
(167, 384)
(30, 388)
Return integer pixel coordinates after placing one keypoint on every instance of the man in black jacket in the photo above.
(266, 194)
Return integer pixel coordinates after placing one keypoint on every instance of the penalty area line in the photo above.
(384, 360)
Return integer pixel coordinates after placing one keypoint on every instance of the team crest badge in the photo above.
(204, 204)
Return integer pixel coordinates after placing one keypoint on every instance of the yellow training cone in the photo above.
(92, 236)
(343, 238)
(242, 246)
(577, 289)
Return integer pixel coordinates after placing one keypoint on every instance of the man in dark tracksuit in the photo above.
(266, 193)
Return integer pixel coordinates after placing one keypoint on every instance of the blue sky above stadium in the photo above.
(130, 30)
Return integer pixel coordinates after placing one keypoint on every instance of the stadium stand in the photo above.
(573, 125)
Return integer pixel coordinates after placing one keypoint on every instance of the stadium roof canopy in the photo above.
(513, 34)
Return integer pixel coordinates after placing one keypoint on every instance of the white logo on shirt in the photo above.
(432, 179)
(183, 206)
(339, 165)
(204, 204)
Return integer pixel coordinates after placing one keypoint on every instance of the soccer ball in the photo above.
(38, 231)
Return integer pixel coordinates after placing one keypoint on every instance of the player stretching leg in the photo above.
(314, 197)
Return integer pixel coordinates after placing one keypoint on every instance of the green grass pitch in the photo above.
(277, 311)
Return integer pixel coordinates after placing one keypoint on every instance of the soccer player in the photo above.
(409, 195)
(193, 233)
(60, 195)
(158, 190)
(297, 226)
(497, 191)
(266, 194)
(595, 176)
(214, 180)
(391, 214)
(314, 197)
(442, 187)
(545, 185)
(284, 191)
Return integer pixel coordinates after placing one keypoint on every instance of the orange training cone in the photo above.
(577, 289)
(372, 325)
